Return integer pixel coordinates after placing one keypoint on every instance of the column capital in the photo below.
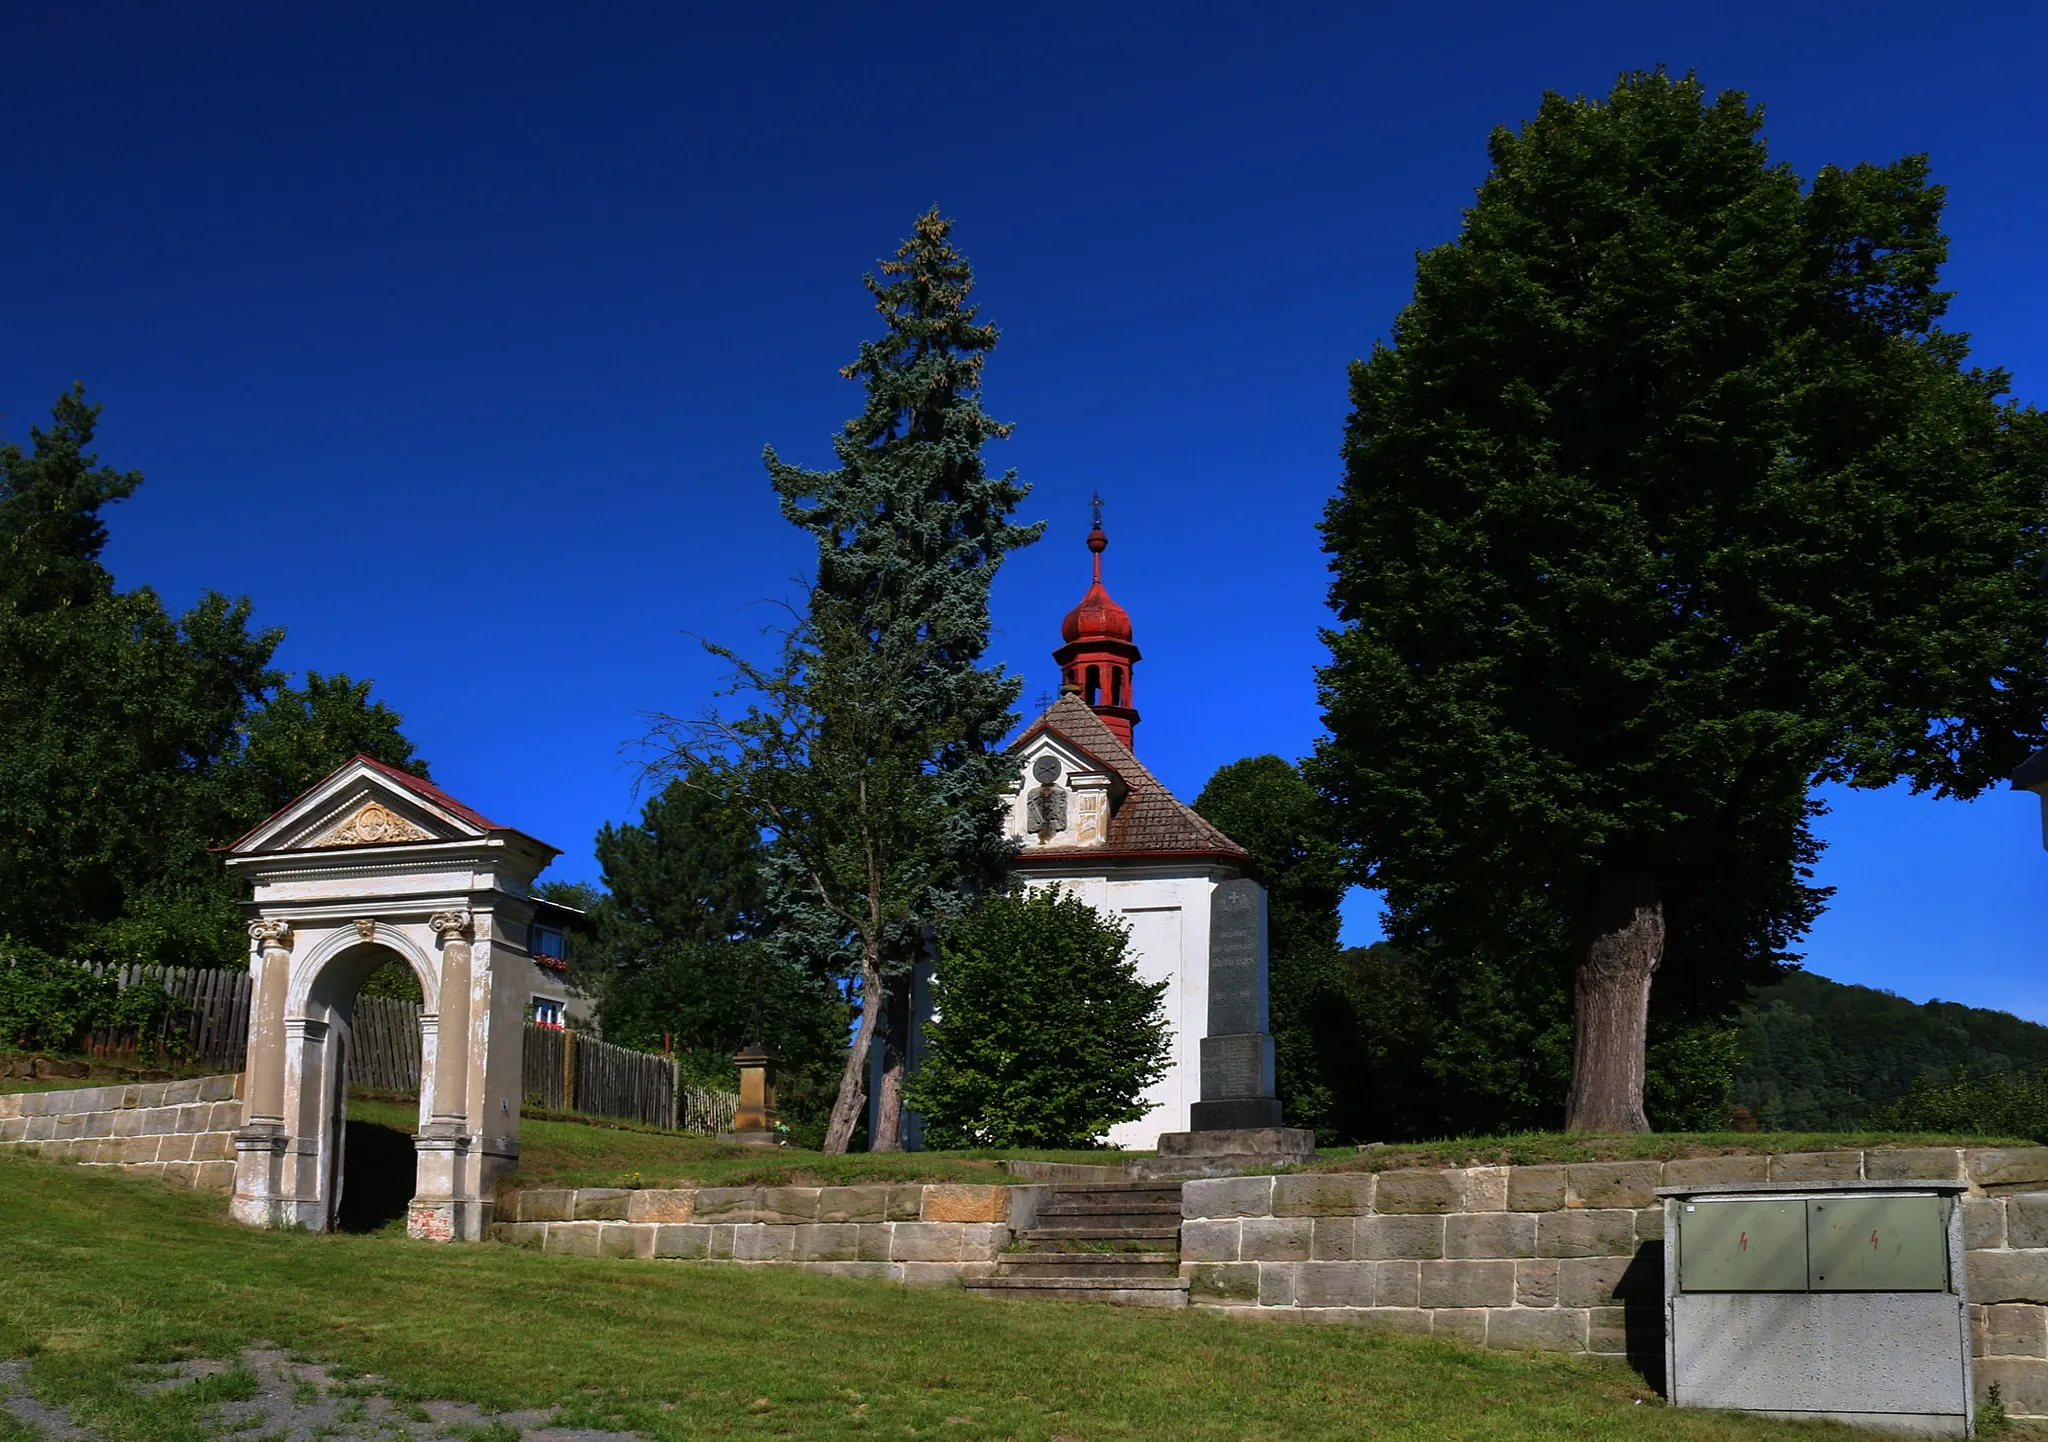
(451, 925)
(271, 935)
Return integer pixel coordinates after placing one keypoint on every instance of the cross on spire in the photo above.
(1095, 503)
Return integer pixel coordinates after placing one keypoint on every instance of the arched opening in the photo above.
(1092, 691)
(369, 997)
(1116, 685)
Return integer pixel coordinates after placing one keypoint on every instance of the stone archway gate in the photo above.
(370, 865)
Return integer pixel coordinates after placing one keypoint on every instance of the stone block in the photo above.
(682, 1241)
(1222, 1281)
(1650, 1224)
(1461, 1324)
(2007, 1168)
(1334, 1284)
(2009, 1330)
(182, 1093)
(1223, 1197)
(853, 1204)
(198, 1117)
(99, 1124)
(600, 1204)
(70, 1126)
(1716, 1171)
(40, 1128)
(216, 1176)
(1397, 1284)
(1334, 1239)
(1548, 1329)
(10, 1105)
(1406, 1238)
(865, 1271)
(1333, 1194)
(1536, 1283)
(1412, 1320)
(906, 1203)
(2022, 1384)
(1276, 1284)
(1207, 1241)
(1490, 1234)
(954, 1203)
(656, 1204)
(1468, 1284)
(1420, 1191)
(1913, 1164)
(1535, 1189)
(211, 1147)
(575, 1239)
(1486, 1189)
(217, 1088)
(983, 1241)
(2007, 1276)
(944, 1274)
(224, 1116)
(728, 1204)
(925, 1242)
(718, 1240)
(788, 1205)
(2026, 1219)
(141, 1149)
(128, 1123)
(1590, 1281)
(1607, 1330)
(1275, 1239)
(1586, 1234)
(1817, 1166)
(873, 1241)
(761, 1242)
(174, 1149)
(182, 1174)
(1613, 1184)
(1983, 1222)
(618, 1239)
(13, 1129)
(828, 1242)
(149, 1094)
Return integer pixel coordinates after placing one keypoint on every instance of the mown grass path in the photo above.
(99, 1273)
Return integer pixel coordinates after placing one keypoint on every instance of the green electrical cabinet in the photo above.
(1842, 1300)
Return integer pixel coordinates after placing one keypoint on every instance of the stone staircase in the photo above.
(1098, 1242)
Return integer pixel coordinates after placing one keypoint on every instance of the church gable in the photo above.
(365, 803)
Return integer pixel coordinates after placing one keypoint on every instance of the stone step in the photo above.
(1096, 1221)
(1093, 1233)
(1090, 1264)
(1086, 1203)
(1171, 1189)
(1120, 1291)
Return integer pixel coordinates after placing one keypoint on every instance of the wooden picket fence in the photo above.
(563, 1070)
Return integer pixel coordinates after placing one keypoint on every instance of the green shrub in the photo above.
(1046, 1036)
(47, 1004)
(2009, 1105)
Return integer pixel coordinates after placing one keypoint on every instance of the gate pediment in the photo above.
(366, 804)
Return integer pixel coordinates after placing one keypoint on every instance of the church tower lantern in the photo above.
(1098, 656)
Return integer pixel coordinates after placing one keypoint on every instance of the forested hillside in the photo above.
(1822, 1056)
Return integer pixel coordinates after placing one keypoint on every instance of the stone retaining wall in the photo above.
(182, 1131)
(899, 1233)
(1570, 1258)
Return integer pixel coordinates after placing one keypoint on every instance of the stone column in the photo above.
(260, 1145)
(444, 1205)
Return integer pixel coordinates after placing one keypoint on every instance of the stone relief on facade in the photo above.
(373, 825)
(1091, 805)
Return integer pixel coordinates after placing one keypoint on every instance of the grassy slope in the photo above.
(102, 1272)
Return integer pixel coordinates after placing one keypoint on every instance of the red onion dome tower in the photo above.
(1097, 658)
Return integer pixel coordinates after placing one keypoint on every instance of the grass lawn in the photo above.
(1537, 1148)
(101, 1273)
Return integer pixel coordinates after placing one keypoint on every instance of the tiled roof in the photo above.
(428, 791)
(1150, 818)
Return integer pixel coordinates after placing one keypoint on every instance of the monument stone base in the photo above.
(1236, 1149)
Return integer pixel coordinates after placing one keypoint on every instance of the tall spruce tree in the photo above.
(871, 754)
(1669, 498)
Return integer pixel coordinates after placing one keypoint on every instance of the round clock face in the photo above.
(1046, 769)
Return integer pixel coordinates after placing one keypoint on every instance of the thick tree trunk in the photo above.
(853, 1090)
(1611, 1004)
(895, 1043)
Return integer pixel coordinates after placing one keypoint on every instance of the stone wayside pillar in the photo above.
(260, 1145)
(446, 1194)
(1237, 1121)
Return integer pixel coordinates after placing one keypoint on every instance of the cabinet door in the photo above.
(1877, 1244)
(1741, 1246)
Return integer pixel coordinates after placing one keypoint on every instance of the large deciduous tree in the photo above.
(1669, 498)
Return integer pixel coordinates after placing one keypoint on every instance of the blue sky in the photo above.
(452, 333)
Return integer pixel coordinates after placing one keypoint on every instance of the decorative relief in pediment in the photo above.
(373, 824)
